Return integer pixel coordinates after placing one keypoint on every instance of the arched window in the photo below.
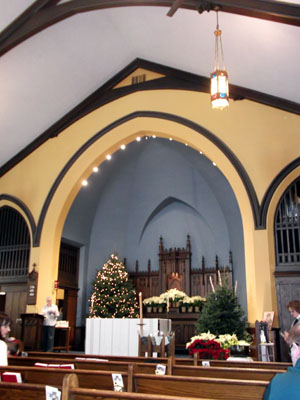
(14, 244)
(287, 227)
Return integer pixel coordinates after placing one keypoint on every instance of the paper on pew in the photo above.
(37, 364)
(90, 359)
(11, 377)
(66, 366)
(52, 393)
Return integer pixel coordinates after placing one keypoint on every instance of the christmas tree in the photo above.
(113, 295)
(222, 314)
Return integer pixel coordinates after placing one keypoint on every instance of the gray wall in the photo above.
(155, 188)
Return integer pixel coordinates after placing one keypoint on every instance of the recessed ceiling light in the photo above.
(170, 139)
(153, 136)
(138, 139)
(84, 182)
(95, 169)
(214, 164)
(108, 157)
(123, 147)
(200, 152)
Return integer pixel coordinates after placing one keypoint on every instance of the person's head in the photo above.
(4, 325)
(294, 308)
(49, 301)
(294, 335)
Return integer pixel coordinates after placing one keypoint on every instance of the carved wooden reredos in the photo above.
(175, 272)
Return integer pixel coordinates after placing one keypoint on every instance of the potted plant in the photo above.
(156, 302)
(161, 304)
(184, 303)
(198, 302)
(173, 296)
(148, 303)
(237, 348)
(207, 347)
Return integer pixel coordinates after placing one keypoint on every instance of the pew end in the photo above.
(70, 381)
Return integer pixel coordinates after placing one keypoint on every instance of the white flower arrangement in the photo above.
(202, 336)
(243, 343)
(187, 301)
(225, 341)
(173, 295)
(198, 300)
(153, 301)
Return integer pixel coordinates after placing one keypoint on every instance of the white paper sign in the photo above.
(52, 393)
(160, 369)
(205, 364)
(118, 382)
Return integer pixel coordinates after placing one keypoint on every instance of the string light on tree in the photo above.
(113, 295)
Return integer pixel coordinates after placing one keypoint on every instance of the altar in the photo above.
(119, 336)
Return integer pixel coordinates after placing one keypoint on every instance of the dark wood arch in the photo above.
(165, 116)
(271, 190)
(14, 200)
(44, 13)
(173, 79)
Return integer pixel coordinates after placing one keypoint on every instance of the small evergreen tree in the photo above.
(113, 295)
(222, 314)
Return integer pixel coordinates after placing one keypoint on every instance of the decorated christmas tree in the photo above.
(113, 295)
(222, 314)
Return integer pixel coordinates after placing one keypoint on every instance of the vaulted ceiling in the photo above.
(54, 54)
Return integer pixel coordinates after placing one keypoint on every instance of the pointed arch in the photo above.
(264, 208)
(164, 116)
(19, 203)
(165, 203)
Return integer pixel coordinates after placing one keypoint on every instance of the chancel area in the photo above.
(119, 140)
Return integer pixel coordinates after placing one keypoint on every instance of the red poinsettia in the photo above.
(208, 349)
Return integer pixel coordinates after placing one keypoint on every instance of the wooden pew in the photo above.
(254, 364)
(71, 391)
(164, 360)
(120, 366)
(179, 370)
(50, 355)
(54, 377)
(225, 373)
(22, 391)
(211, 388)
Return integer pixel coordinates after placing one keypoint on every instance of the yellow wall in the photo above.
(263, 139)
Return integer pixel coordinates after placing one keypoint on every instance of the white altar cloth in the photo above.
(119, 336)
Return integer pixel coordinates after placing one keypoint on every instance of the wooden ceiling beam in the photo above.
(270, 10)
(44, 13)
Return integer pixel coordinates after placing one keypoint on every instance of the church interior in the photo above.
(109, 144)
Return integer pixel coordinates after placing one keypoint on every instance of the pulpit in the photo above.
(31, 334)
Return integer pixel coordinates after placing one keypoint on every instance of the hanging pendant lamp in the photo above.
(219, 78)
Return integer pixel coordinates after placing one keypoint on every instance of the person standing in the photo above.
(50, 313)
(294, 309)
(4, 330)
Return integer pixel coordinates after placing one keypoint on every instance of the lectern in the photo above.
(32, 330)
